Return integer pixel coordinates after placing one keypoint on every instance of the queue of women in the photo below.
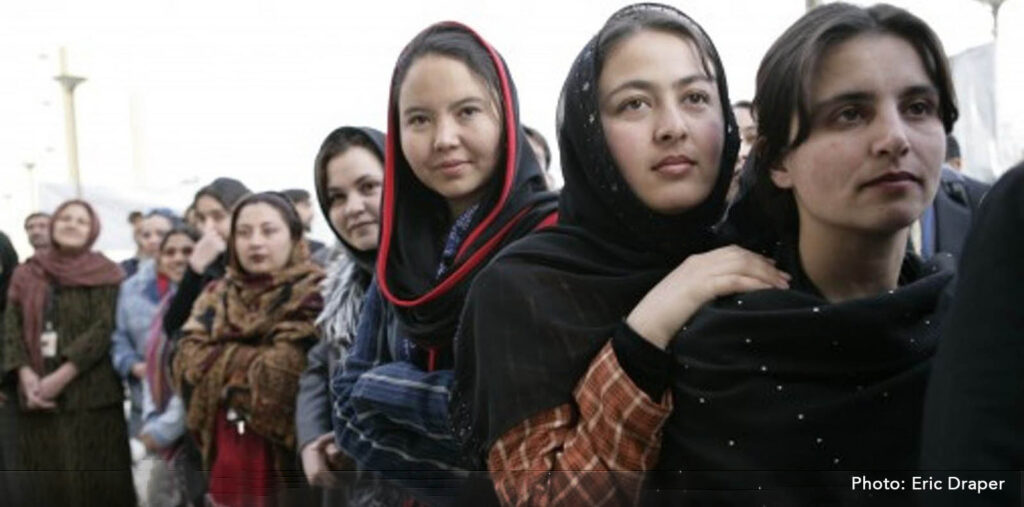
(476, 338)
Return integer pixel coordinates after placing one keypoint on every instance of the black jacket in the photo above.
(955, 204)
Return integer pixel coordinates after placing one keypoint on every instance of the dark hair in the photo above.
(37, 214)
(133, 216)
(337, 142)
(454, 42)
(296, 195)
(226, 191)
(655, 17)
(276, 200)
(180, 230)
(785, 81)
(743, 104)
(536, 136)
(952, 148)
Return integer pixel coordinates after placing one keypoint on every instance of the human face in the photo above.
(72, 227)
(450, 128)
(662, 119)
(748, 132)
(872, 159)
(748, 135)
(38, 231)
(263, 243)
(211, 216)
(353, 191)
(174, 256)
(154, 229)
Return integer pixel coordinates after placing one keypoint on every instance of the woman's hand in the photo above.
(51, 385)
(139, 370)
(315, 462)
(28, 383)
(699, 279)
(206, 250)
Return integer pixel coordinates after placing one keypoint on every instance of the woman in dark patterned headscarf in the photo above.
(243, 349)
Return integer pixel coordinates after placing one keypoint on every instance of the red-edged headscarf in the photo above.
(64, 267)
(414, 219)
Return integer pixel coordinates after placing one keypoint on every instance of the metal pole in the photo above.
(68, 82)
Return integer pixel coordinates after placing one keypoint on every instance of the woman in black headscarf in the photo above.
(561, 369)
(790, 396)
(460, 183)
(348, 174)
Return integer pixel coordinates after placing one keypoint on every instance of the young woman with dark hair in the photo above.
(460, 183)
(783, 396)
(348, 174)
(243, 350)
(561, 367)
(72, 437)
(174, 478)
(212, 209)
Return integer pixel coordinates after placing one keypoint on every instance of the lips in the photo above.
(674, 165)
(257, 258)
(895, 177)
(355, 227)
(449, 164)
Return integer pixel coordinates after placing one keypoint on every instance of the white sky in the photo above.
(179, 92)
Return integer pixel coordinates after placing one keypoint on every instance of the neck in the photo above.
(457, 208)
(846, 265)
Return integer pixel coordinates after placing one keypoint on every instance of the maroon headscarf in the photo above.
(65, 267)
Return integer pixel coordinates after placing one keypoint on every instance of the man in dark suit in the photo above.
(945, 223)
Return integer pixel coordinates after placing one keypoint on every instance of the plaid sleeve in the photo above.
(591, 452)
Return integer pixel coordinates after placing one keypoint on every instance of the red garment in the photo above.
(162, 284)
(241, 475)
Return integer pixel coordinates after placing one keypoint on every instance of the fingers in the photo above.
(733, 260)
(738, 283)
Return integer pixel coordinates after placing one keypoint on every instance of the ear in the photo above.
(781, 176)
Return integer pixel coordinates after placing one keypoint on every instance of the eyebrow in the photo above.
(457, 104)
(862, 96)
(648, 86)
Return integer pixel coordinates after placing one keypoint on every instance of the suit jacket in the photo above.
(955, 203)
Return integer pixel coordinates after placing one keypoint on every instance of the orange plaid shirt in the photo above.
(591, 452)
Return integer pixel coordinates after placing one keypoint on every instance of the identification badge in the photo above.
(48, 342)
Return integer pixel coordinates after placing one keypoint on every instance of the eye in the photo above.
(849, 115)
(632, 104)
(696, 97)
(367, 187)
(920, 108)
(468, 111)
(334, 198)
(416, 120)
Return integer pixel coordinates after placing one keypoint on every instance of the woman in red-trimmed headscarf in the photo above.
(460, 184)
(59, 320)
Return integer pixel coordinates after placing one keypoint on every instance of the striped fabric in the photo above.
(391, 416)
(591, 452)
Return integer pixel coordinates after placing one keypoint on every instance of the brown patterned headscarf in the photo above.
(63, 266)
(245, 346)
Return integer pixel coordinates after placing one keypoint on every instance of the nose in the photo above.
(671, 125)
(446, 135)
(892, 139)
(353, 206)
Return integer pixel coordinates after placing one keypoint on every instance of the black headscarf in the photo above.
(538, 315)
(227, 191)
(364, 259)
(415, 221)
